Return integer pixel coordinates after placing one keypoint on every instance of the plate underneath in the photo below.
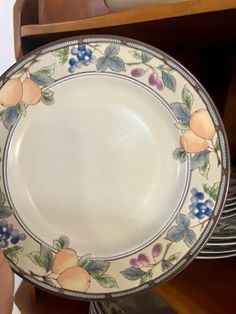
(217, 256)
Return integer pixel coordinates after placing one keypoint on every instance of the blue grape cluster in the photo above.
(81, 56)
(7, 233)
(199, 207)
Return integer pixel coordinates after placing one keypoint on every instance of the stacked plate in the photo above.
(222, 243)
(106, 307)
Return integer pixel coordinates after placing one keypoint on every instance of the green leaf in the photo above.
(62, 54)
(47, 92)
(64, 241)
(133, 273)
(48, 101)
(12, 253)
(212, 191)
(112, 50)
(165, 265)
(182, 126)
(207, 188)
(183, 221)
(136, 54)
(2, 199)
(116, 64)
(150, 272)
(49, 282)
(42, 79)
(35, 258)
(106, 281)
(102, 64)
(46, 257)
(187, 97)
(56, 245)
(165, 68)
(174, 257)
(146, 277)
(175, 234)
(180, 154)
(20, 71)
(47, 97)
(169, 81)
(146, 57)
(10, 117)
(179, 232)
(5, 212)
(181, 112)
(189, 237)
(84, 260)
(204, 170)
(97, 268)
(49, 70)
(200, 161)
(2, 112)
(20, 108)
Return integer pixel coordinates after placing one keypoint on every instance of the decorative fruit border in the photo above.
(60, 269)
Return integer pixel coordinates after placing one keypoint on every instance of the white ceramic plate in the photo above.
(115, 167)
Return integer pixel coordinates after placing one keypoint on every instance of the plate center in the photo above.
(96, 166)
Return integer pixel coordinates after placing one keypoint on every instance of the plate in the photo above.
(226, 228)
(227, 215)
(219, 245)
(230, 206)
(217, 256)
(219, 250)
(230, 203)
(229, 209)
(105, 307)
(224, 236)
(232, 191)
(231, 199)
(115, 167)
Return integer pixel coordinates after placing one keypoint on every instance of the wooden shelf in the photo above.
(137, 15)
